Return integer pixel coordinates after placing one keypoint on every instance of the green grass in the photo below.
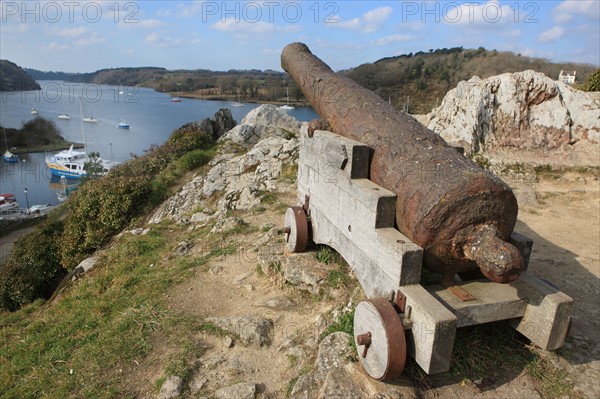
(213, 329)
(344, 324)
(101, 324)
(326, 254)
(289, 172)
(338, 277)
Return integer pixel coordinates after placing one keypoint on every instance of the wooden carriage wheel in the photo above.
(296, 229)
(379, 338)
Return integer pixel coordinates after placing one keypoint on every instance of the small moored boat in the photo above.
(8, 203)
(123, 125)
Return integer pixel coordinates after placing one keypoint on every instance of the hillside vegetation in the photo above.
(97, 211)
(415, 83)
(244, 85)
(13, 78)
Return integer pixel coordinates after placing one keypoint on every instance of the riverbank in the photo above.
(232, 98)
(58, 146)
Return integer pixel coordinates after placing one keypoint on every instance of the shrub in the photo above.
(593, 82)
(100, 209)
(34, 268)
(193, 159)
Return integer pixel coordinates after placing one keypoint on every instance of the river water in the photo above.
(152, 116)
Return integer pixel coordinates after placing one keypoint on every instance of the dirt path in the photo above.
(561, 216)
(563, 219)
(7, 242)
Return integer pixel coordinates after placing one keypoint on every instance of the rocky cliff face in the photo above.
(13, 78)
(240, 181)
(520, 111)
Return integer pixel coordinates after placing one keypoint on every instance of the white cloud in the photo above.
(145, 23)
(325, 44)
(21, 28)
(54, 46)
(164, 13)
(142, 23)
(551, 34)
(240, 26)
(567, 11)
(191, 9)
(369, 22)
(67, 32)
(91, 40)
(161, 39)
(479, 15)
(384, 41)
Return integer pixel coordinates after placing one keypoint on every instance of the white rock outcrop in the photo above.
(239, 181)
(523, 111)
(264, 121)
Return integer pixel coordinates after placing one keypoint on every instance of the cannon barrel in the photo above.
(459, 213)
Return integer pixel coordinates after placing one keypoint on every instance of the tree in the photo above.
(93, 166)
(593, 82)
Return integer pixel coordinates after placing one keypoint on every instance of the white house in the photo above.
(567, 77)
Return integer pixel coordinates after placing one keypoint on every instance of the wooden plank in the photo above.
(315, 152)
(431, 338)
(390, 254)
(357, 216)
(337, 155)
(547, 315)
(493, 302)
(376, 281)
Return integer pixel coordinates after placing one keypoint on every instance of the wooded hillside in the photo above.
(418, 82)
(13, 78)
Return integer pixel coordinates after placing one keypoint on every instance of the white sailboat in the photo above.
(287, 106)
(176, 99)
(8, 156)
(90, 119)
(237, 103)
(64, 116)
(123, 124)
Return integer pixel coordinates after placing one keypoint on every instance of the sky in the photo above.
(84, 36)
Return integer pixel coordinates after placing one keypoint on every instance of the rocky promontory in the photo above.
(524, 112)
(14, 78)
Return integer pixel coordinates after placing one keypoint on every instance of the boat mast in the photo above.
(82, 126)
(5, 141)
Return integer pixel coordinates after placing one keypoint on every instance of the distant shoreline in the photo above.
(215, 97)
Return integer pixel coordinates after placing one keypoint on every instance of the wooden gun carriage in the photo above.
(463, 220)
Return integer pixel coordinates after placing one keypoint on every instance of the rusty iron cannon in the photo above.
(391, 196)
(460, 214)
